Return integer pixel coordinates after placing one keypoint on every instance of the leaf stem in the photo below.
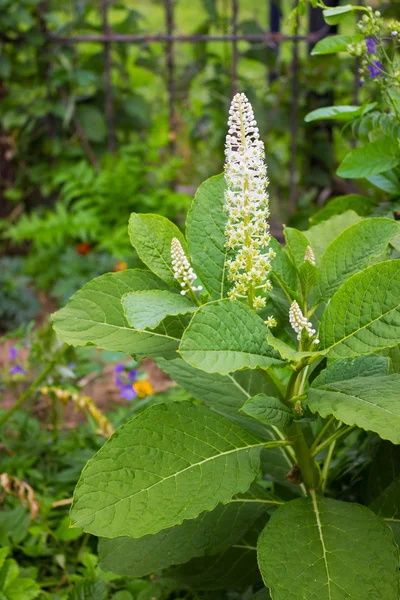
(323, 431)
(327, 464)
(274, 380)
(334, 437)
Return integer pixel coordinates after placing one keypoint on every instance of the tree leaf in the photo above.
(211, 533)
(336, 15)
(349, 368)
(94, 315)
(338, 113)
(151, 236)
(364, 314)
(374, 158)
(168, 464)
(147, 308)
(371, 403)
(359, 204)
(283, 270)
(335, 43)
(328, 550)
(226, 336)
(352, 250)
(205, 230)
(268, 410)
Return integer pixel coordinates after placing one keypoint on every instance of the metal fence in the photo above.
(273, 38)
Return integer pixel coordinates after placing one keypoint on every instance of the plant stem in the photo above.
(327, 464)
(321, 434)
(30, 390)
(335, 436)
(274, 380)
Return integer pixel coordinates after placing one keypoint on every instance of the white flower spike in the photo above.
(299, 322)
(247, 205)
(309, 256)
(183, 272)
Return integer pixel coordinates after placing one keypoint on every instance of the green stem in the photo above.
(321, 434)
(29, 391)
(327, 464)
(274, 380)
(334, 437)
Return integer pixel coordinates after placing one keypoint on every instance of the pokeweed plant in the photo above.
(286, 351)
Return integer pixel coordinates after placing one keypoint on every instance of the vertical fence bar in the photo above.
(293, 120)
(235, 51)
(109, 108)
(275, 27)
(170, 60)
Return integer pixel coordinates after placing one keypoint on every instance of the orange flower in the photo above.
(143, 388)
(83, 248)
(120, 265)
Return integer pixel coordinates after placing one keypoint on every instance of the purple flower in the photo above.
(127, 392)
(132, 374)
(17, 369)
(375, 69)
(118, 381)
(119, 368)
(13, 353)
(371, 45)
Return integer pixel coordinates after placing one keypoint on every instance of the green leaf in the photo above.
(388, 182)
(364, 314)
(296, 242)
(226, 336)
(328, 550)
(268, 410)
(234, 569)
(336, 15)
(205, 230)
(359, 204)
(147, 308)
(351, 251)
(224, 393)
(289, 353)
(384, 485)
(371, 403)
(308, 275)
(374, 158)
(168, 464)
(338, 113)
(94, 315)
(89, 589)
(335, 43)
(349, 368)
(322, 235)
(211, 533)
(151, 236)
(283, 270)
(93, 123)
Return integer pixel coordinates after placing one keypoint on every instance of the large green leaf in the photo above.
(283, 270)
(95, 315)
(168, 464)
(234, 569)
(387, 181)
(359, 204)
(268, 410)
(147, 308)
(376, 157)
(349, 368)
(351, 251)
(205, 230)
(211, 533)
(224, 393)
(226, 336)
(338, 113)
(151, 236)
(364, 314)
(336, 15)
(322, 235)
(335, 43)
(328, 550)
(371, 403)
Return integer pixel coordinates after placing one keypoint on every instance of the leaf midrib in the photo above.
(321, 537)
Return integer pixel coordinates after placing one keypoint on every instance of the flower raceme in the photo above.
(183, 272)
(299, 322)
(247, 205)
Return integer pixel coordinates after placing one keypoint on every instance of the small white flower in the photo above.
(183, 272)
(270, 322)
(299, 322)
(309, 256)
(247, 205)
